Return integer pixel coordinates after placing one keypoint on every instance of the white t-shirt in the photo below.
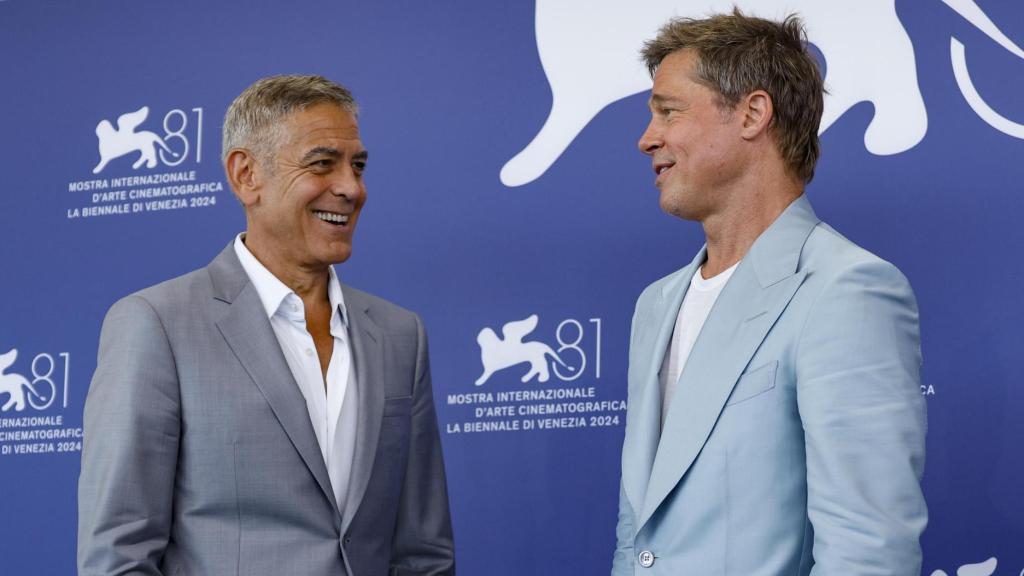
(696, 306)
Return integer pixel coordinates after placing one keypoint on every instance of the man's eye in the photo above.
(359, 166)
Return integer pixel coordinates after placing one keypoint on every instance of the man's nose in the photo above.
(650, 140)
(347, 184)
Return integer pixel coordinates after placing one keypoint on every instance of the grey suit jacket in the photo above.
(794, 444)
(199, 456)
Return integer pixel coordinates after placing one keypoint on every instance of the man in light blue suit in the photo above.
(775, 423)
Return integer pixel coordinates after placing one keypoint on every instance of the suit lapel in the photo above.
(745, 311)
(643, 430)
(368, 349)
(248, 333)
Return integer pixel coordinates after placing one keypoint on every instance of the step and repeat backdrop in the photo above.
(507, 202)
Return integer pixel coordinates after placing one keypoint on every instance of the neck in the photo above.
(310, 284)
(731, 232)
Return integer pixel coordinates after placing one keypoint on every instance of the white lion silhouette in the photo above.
(589, 50)
(498, 354)
(13, 384)
(986, 568)
(125, 140)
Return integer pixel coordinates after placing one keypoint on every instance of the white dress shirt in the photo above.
(696, 306)
(332, 411)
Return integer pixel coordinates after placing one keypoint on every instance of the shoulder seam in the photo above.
(163, 329)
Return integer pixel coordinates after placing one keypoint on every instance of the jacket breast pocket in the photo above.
(401, 406)
(753, 383)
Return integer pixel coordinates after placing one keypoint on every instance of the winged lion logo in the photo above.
(500, 353)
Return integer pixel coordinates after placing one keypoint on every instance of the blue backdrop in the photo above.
(922, 164)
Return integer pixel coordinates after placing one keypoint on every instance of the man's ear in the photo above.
(757, 111)
(243, 176)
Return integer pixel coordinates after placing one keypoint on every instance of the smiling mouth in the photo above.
(332, 217)
(660, 169)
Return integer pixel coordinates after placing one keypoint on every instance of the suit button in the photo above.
(646, 559)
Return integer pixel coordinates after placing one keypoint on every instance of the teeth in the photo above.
(332, 217)
(663, 168)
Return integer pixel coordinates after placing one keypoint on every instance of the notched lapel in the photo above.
(368, 349)
(249, 335)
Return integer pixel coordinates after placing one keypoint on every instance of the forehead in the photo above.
(320, 124)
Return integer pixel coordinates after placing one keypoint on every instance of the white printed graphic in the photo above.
(31, 434)
(969, 10)
(574, 354)
(500, 353)
(986, 568)
(125, 140)
(587, 73)
(152, 190)
(42, 390)
(16, 386)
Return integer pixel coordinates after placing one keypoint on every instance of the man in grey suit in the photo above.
(775, 423)
(256, 416)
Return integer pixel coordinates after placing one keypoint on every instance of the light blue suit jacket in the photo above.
(794, 443)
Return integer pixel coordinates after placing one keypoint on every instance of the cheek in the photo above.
(685, 150)
(306, 188)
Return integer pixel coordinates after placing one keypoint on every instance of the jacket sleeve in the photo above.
(622, 561)
(423, 544)
(130, 447)
(625, 529)
(858, 395)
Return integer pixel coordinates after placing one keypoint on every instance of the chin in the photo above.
(681, 207)
(340, 257)
(673, 208)
(334, 255)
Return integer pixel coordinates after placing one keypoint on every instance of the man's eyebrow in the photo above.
(364, 155)
(321, 151)
(660, 100)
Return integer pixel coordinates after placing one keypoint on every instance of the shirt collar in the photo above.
(701, 283)
(273, 292)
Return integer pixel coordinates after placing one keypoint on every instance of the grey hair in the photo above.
(253, 119)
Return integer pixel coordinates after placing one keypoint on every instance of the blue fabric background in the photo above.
(449, 91)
